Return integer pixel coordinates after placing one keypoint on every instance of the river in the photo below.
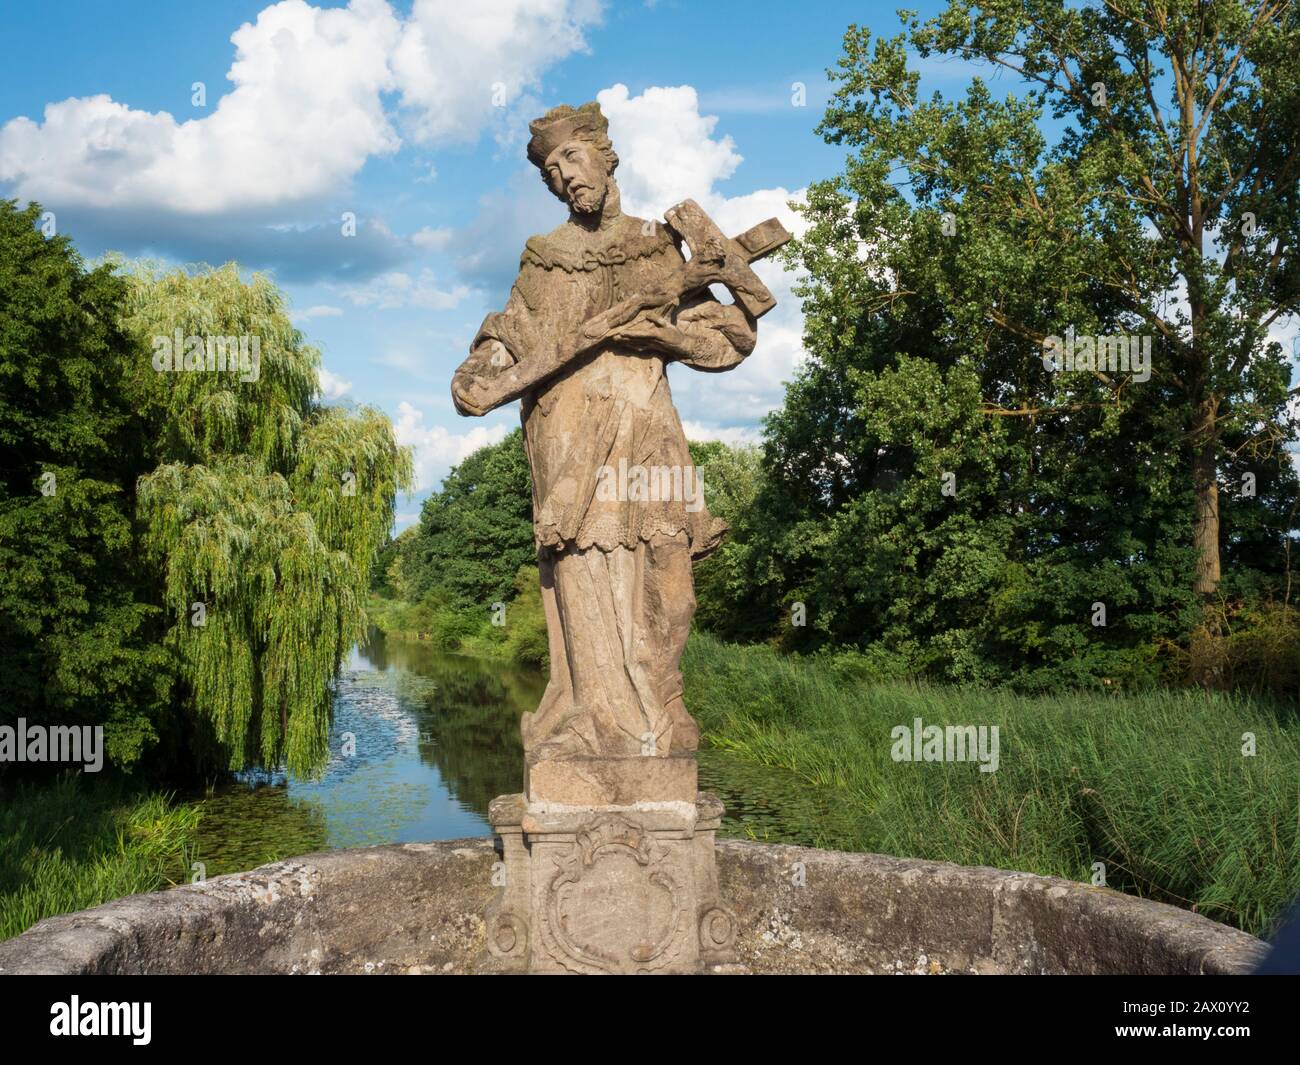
(421, 742)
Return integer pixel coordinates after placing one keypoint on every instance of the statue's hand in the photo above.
(476, 388)
(653, 332)
(472, 395)
(602, 326)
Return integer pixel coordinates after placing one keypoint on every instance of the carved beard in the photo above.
(586, 200)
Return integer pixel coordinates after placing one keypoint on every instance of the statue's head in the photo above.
(572, 149)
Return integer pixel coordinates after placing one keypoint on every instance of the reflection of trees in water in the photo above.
(470, 731)
(469, 724)
(377, 651)
(249, 824)
(466, 713)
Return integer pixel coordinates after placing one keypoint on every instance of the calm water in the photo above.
(436, 738)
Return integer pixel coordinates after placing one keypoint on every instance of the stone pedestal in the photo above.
(608, 867)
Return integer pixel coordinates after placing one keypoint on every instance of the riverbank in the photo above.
(1183, 796)
(77, 842)
(513, 632)
(1157, 792)
(1153, 791)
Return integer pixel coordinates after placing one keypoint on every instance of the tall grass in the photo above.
(70, 844)
(1155, 786)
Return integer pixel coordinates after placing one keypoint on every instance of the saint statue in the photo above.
(602, 304)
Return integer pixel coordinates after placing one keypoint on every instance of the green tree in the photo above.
(386, 573)
(932, 486)
(475, 532)
(77, 623)
(733, 479)
(262, 518)
(1167, 206)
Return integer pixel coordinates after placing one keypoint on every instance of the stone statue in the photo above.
(601, 305)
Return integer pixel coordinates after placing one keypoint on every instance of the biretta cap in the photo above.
(561, 124)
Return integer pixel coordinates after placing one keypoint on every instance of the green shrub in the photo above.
(1251, 646)
(71, 844)
(526, 636)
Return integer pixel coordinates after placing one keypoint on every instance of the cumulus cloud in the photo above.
(304, 115)
(312, 97)
(399, 289)
(459, 65)
(332, 386)
(666, 148)
(669, 152)
(436, 449)
(733, 435)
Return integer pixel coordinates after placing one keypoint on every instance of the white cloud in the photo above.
(320, 310)
(453, 57)
(668, 152)
(304, 115)
(665, 148)
(437, 449)
(332, 386)
(398, 289)
(305, 111)
(733, 435)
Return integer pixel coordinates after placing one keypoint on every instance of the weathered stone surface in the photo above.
(379, 909)
(613, 898)
(870, 913)
(416, 908)
(605, 867)
(628, 888)
(587, 781)
(601, 306)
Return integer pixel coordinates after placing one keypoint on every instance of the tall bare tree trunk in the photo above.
(1205, 524)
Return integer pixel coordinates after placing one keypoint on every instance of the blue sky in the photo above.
(413, 116)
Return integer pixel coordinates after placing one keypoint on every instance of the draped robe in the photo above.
(616, 574)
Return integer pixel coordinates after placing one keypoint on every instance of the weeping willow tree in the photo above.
(263, 515)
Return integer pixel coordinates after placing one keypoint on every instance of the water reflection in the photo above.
(434, 738)
(421, 742)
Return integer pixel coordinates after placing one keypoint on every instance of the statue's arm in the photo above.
(499, 370)
(510, 355)
(515, 351)
(702, 333)
(485, 381)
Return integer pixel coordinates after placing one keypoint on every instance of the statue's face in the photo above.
(576, 173)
